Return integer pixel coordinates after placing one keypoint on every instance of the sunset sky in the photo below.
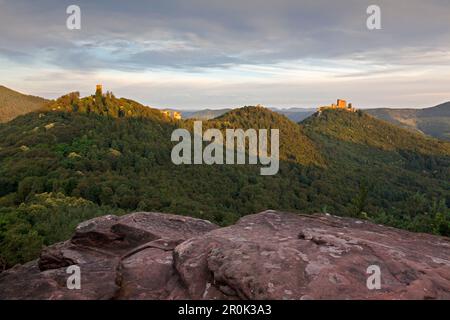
(202, 53)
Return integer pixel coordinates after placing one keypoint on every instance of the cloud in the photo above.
(15, 55)
(252, 31)
(239, 42)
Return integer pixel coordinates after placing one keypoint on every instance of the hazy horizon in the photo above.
(193, 109)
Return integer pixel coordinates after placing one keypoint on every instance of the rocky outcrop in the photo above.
(127, 257)
(270, 255)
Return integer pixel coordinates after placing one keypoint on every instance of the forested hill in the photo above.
(60, 167)
(104, 104)
(434, 121)
(361, 128)
(294, 144)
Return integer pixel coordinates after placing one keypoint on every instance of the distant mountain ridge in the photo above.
(205, 114)
(434, 121)
(294, 114)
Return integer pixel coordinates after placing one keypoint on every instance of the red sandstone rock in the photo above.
(270, 255)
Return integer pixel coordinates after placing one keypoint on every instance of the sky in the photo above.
(195, 54)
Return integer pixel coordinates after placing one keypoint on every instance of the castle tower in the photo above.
(99, 88)
(341, 103)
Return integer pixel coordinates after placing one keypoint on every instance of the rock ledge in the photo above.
(269, 255)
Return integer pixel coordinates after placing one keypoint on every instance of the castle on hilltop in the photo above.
(340, 105)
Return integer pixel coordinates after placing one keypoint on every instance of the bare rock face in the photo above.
(270, 255)
(126, 257)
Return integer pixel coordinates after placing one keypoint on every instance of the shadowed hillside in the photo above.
(13, 104)
(433, 121)
(367, 130)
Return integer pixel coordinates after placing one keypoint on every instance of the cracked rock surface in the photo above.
(269, 255)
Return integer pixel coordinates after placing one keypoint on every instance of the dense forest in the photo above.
(84, 157)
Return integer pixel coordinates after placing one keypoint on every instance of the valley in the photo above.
(80, 158)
